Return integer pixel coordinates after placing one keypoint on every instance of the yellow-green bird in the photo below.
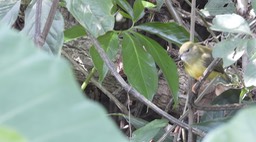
(197, 58)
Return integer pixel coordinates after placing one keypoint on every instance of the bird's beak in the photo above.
(180, 56)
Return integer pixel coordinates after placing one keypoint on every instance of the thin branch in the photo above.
(38, 22)
(190, 108)
(134, 92)
(88, 78)
(98, 85)
(192, 21)
(48, 22)
(206, 73)
(173, 12)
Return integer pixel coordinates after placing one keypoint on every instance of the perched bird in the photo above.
(197, 58)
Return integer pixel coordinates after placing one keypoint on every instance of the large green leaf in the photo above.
(126, 7)
(149, 131)
(55, 37)
(253, 2)
(73, 33)
(40, 98)
(241, 128)
(9, 135)
(251, 50)
(159, 4)
(94, 15)
(148, 4)
(139, 123)
(9, 11)
(217, 7)
(229, 50)
(139, 66)
(231, 23)
(249, 74)
(166, 64)
(109, 42)
(169, 31)
(138, 10)
(212, 119)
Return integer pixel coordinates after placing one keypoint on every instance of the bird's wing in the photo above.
(207, 61)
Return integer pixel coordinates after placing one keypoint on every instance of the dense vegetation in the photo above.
(127, 53)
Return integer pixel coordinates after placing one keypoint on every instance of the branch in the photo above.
(173, 12)
(41, 40)
(207, 72)
(38, 22)
(134, 92)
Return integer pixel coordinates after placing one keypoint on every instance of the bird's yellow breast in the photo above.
(197, 69)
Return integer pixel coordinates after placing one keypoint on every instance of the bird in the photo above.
(197, 58)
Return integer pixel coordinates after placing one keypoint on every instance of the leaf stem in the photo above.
(87, 80)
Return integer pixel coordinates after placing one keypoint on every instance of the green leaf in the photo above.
(166, 64)
(94, 15)
(135, 121)
(124, 14)
(55, 37)
(40, 98)
(159, 4)
(253, 2)
(138, 10)
(73, 33)
(229, 50)
(138, 123)
(244, 92)
(231, 23)
(241, 128)
(9, 135)
(211, 119)
(249, 74)
(149, 131)
(218, 7)
(139, 67)
(9, 11)
(126, 7)
(251, 50)
(169, 31)
(147, 4)
(209, 125)
(109, 42)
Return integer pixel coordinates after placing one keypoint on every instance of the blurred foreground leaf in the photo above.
(241, 128)
(249, 74)
(40, 99)
(231, 23)
(229, 50)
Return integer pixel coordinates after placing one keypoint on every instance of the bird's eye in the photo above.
(187, 50)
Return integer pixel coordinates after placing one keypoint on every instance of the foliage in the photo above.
(138, 62)
(30, 72)
(240, 128)
(41, 100)
(238, 41)
(100, 25)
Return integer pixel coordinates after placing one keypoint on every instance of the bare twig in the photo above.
(204, 22)
(98, 85)
(48, 23)
(192, 22)
(207, 72)
(190, 109)
(88, 78)
(173, 12)
(38, 22)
